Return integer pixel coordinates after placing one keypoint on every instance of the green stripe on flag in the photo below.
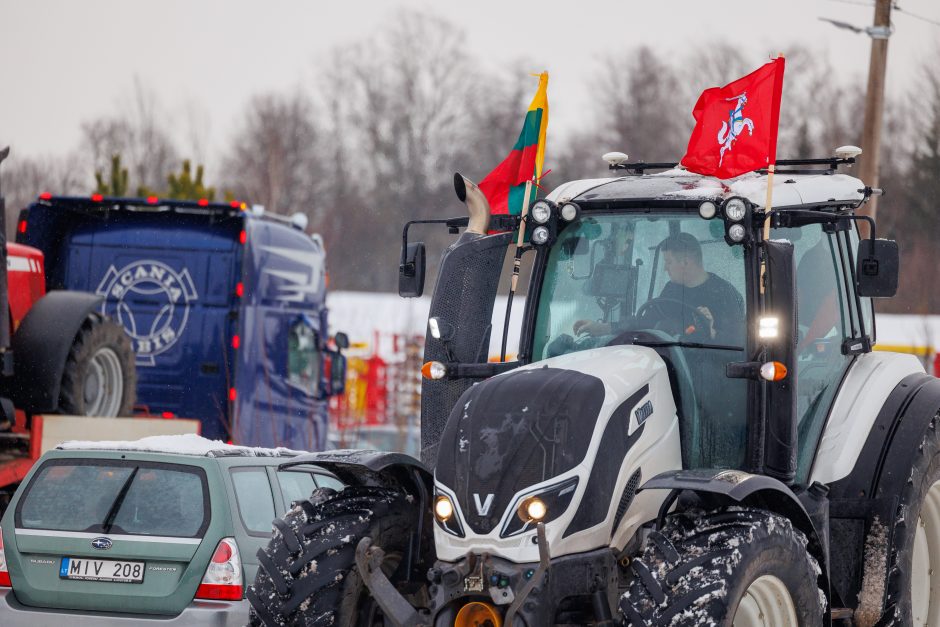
(516, 197)
(530, 130)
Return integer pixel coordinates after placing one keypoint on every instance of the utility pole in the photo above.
(875, 101)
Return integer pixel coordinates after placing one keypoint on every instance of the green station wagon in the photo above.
(161, 530)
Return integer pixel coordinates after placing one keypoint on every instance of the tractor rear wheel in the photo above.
(307, 575)
(728, 568)
(100, 378)
(907, 585)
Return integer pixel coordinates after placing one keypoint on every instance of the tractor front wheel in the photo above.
(728, 568)
(100, 378)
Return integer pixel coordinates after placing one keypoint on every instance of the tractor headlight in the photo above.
(540, 235)
(541, 212)
(570, 212)
(544, 505)
(735, 209)
(443, 508)
(445, 513)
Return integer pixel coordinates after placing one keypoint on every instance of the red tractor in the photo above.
(58, 354)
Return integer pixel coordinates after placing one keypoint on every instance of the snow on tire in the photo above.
(736, 567)
(307, 575)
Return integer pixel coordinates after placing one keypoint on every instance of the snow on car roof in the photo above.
(187, 444)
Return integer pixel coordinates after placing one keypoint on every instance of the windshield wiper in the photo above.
(118, 501)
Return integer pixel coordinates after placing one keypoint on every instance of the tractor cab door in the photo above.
(831, 321)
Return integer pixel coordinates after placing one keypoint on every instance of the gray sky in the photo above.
(65, 61)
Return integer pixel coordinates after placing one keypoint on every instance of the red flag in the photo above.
(736, 125)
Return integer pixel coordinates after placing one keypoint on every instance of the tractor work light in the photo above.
(443, 508)
(735, 209)
(541, 212)
(736, 232)
(434, 328)
(768, 327)
(434, 370)
(540, 235)
(570, 212)
(707, 210)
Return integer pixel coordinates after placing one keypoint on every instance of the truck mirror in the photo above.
(342, 340)
(411, 272)
(337, 374)
(877, 268)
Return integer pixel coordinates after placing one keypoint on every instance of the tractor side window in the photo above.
(825, 317)
(303, 358)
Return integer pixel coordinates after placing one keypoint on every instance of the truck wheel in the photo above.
(911, 574)
(100, 377)
(729, 568)
(307, 575)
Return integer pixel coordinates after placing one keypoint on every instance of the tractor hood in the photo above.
(564, 425)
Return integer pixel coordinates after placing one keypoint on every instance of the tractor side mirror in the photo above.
(341, 340)
(411, 271)
(877, 268)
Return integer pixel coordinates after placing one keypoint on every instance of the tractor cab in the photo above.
(756, 326)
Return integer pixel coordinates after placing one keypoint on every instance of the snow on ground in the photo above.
(188, 444)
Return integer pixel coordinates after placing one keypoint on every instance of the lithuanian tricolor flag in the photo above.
(504, 187)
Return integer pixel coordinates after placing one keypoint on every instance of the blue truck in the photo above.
(225, 307)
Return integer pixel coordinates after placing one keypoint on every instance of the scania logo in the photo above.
(151, 300)
(102, 544)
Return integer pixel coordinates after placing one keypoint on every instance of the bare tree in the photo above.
(274, 158)
(139, 133)
(24, 178)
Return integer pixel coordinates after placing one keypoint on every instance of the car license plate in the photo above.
(101, 570)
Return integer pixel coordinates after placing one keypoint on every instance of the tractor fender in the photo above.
(371, 468)
(41, 346)
(752, 490)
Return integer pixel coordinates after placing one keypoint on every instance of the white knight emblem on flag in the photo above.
(734, 126)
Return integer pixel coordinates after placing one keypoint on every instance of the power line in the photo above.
(858, 3)
(917, 17)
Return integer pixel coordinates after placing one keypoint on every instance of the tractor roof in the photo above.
(790, 189)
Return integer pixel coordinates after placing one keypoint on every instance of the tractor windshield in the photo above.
(668, 280)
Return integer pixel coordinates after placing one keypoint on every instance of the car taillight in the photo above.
(223, 579)
(4, 573)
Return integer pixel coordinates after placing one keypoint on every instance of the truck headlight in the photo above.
(544, 505)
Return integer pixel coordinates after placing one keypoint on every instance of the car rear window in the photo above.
(117, 497)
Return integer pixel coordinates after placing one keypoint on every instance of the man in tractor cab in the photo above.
(718, 302)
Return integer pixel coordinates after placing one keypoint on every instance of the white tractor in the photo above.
(695, 430)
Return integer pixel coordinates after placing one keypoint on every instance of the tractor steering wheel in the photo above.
(668, 314)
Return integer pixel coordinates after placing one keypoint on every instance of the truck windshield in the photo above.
(672, 275)
(667, 280)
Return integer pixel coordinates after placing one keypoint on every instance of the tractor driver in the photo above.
(717, 300)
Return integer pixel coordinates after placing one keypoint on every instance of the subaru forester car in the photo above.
(164, 529)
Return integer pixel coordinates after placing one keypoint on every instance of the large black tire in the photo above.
(308, 575)
(697, 569)
(895, 569)
(100, 362)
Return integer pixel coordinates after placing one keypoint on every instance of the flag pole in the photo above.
(769, 202)
(516, 265)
